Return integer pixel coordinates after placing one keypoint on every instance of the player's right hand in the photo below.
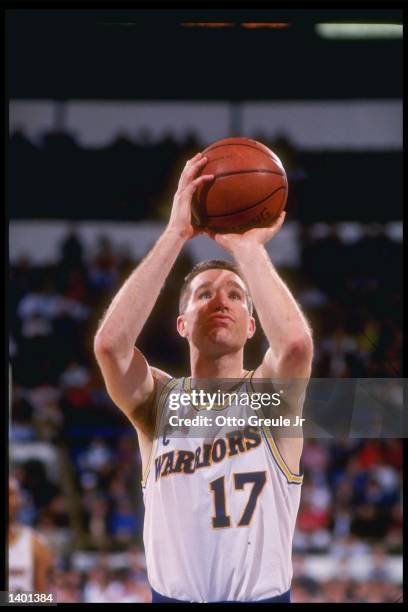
(180, 218)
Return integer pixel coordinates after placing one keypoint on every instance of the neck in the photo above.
(223, 366)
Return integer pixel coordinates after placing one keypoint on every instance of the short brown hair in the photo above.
(210, 264)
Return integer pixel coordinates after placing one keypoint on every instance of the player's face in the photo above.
(217, 318)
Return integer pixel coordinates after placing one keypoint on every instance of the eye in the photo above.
(204, 294)
(235, 295)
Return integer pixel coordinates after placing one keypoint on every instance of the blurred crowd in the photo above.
(351, 500)
(101, 581)
(307, 590)
(354, 300)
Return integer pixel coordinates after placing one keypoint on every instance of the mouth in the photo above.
(218, 318)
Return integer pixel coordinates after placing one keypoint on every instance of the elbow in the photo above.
(300, 349)
(102, 346)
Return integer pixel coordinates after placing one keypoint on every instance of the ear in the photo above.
(251, 327)
(182, 326)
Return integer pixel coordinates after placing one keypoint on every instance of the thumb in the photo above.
(281, 218)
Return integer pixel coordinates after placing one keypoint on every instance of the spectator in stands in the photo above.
(96, 586)
(71, 250)
(124, 523)
(103, 270)
(30, 558)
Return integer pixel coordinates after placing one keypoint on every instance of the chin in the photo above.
(220, 342)
(221, 335)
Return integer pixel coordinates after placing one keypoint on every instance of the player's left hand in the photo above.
(252, 237)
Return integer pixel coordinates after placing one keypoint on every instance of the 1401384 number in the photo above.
(221, 518)
(30, 598)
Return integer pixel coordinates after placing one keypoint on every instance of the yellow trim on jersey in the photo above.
(290, 476)
(170, 384)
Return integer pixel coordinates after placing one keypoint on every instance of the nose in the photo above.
(220, 301)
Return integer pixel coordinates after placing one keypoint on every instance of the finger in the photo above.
(195, 158)
(191, 162)
(191, 170)
(275, 227)
(205, 178)
(281, 219)
(188, 164)
(277, 224)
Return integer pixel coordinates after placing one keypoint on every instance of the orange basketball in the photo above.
(249, 189)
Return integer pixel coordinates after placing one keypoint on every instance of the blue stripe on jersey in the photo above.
(158, 598)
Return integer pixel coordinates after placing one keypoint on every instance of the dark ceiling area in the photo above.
(149, 54)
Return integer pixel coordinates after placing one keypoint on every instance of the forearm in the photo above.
(281, 318)
(132, 305)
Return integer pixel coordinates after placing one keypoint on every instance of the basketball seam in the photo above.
(238, 212)
(223, 174)
(233, 144)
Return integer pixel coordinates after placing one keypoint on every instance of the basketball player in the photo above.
(29, 557)
(219, 515)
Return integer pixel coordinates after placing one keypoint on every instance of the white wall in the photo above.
(33, 117)
(324, 124)
(330, 125)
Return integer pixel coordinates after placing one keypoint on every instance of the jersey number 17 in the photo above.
(221, 518)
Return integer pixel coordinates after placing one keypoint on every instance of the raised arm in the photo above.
(290, 351)
(288, 333)
(129, 379)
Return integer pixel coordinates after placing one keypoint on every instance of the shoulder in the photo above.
(164, 384)
(144, 416)
(160, 375)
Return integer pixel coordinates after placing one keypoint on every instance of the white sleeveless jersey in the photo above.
(21, 562)
(220, 513)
